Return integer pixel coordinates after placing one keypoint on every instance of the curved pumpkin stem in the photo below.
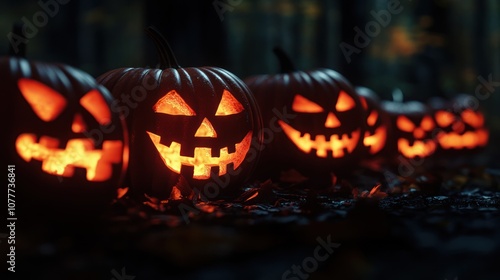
(167, 58)
(17, 32)
(285, 62)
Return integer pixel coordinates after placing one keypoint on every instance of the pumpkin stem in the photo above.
(397, 95)
(167, 58)
(17, 36)
(285, 62)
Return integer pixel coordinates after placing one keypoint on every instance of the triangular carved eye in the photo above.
(472, 118)
(405, 124)
(427, 123)
(303, 105)
(345, 102)
(444, 118)
(228, 105)
(93, 102)
(45, 102)
(173, 104)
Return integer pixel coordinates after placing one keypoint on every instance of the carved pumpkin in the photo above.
(413, 127)
(460, 124)
(378, 123)
(68, 146)
(314, 118)
(196, 123)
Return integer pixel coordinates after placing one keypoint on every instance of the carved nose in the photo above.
(78, 125)
(458, 127)
(332, 121)
(418, 133)
(205, 130)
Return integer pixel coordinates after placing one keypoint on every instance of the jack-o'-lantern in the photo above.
(314, 118)
(412, 127)
(198, 123)
(70, 150)
(460, 124)
(378, 123)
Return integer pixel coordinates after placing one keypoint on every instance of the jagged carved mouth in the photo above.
(469, 139)
(375, 141)
(202, 161)
(339, 145)
(79, 152)
(420, 148)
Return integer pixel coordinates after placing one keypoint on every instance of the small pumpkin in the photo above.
(315, 119)
(195, 124)
(68, 147)
(378, 123)
(460, 124)
(412, 127)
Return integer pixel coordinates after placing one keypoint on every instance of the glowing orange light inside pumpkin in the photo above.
(78, 153)
(364, 103)
(78, 125)
(335, 143)
(332, 121)
(173, 104)
(420, 148)
(202, 161)
(418, 133)
(303, 105)
(97, 106)
(345, 102)
(472, 118)
(444, 118)
(372, 118)
(375, 141)
(427, 123)
(228, 105)
(45, 102)
(469, 140)
(206, 130)
(404, 124)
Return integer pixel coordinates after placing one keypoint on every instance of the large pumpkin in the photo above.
(460, 124)
(314, 119)
(68, 147)
(199, 125)
(378, 124)
(412, 129)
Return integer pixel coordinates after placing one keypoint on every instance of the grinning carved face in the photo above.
(460, 126)
(207, 148)
(417, 144)
(413, 126)
(377, 121)
(335, 138)
(62, 156)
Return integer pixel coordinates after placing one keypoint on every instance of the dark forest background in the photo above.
(432, 47)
